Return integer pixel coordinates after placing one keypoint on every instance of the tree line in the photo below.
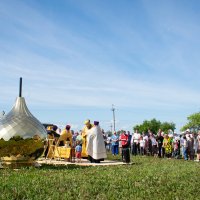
(154, 125)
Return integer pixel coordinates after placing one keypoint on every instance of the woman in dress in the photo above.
(168, 145)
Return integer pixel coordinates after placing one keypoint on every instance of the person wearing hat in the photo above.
(95, 144)
(66, 135)
(86, 129)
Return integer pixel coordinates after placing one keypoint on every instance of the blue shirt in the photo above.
(115, 138)
(79, 148)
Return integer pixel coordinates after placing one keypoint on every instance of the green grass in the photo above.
(149, 178)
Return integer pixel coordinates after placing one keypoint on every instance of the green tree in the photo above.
(154, 126)
(118, 132)
(193, 123)
(165, 126)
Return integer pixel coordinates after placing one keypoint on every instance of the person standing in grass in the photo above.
(168, 145)
(197, 144)
(150, 142)
(129, 139)
(185, 148)
(136, 139)
(145, 138)
(108, 143)
(142, 145)
(154, 146)
(131, 142)
(115, 143)
(163, 149)
(159, 142)
(177, 138)
(78, 150)
(124, 139)
(120, 143)
(190, 144)
(182, 143)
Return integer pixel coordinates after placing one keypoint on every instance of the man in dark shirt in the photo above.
(159, 143)
(129, 138)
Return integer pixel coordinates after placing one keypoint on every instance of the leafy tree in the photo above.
(165, 126)
(193, 123)
(118, 132)
(154, 126)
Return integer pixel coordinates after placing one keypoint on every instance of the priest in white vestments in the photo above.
(95, 144)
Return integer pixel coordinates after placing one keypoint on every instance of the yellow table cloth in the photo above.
(63, 152)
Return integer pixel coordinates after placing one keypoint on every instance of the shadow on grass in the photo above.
(60, 167)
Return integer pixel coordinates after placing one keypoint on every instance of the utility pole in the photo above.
(113, 115)
(111, 127)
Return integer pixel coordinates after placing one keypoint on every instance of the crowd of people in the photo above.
(160, 145)
(186, 145)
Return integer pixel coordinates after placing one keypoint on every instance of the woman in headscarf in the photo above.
(66, 135)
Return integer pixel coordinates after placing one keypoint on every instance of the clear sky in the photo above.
(77, 58)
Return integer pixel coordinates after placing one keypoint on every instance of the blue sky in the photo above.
(77, 58)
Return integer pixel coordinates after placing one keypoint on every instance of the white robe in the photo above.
(95, 144)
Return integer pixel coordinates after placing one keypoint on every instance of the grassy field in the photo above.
(149, 178)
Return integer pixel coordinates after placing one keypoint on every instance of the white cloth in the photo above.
(95, 143)
(137, 136)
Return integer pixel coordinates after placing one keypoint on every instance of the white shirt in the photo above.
(137, 136)
(142, 143)
(188, 138)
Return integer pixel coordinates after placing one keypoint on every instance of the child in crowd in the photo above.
(175, 153)
(78, 151)
(142, 145)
